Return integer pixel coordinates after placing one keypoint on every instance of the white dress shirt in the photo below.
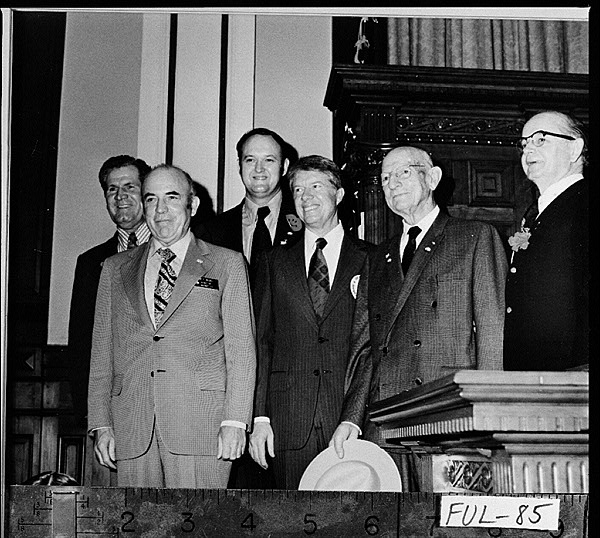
(556, 189)
(142, 235)
(331, 251)
(249, 217)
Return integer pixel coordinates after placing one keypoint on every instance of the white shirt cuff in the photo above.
(352, 424)
(235, 424)
(262, 419)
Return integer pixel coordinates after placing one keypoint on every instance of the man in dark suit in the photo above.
(547, 291)
(121, 181)
(430, 302)
(173, 352)
(263, 158)
(303, 326)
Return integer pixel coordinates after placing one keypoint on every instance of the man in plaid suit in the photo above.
(173, 351)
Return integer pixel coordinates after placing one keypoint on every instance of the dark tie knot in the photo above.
(132, 240)
(166, 254)
(263, 212)
(321, 243)
(413, 231)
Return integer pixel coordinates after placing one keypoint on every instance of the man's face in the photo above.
(167, 205)
(407, 185)
(261, 168)
(550, 162)
(316, 200)
(124, 197)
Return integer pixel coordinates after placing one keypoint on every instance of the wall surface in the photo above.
(99, 118)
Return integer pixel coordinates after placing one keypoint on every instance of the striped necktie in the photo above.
(164, 283)
(132, 241)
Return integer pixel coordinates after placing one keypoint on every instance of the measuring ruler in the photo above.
(77, 511)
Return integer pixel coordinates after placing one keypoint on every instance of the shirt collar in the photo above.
(142, 234)
(556, 189)
(250, 208)
(425, 223)
(334, 235)
(179, 248)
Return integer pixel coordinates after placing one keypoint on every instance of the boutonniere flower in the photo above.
(294, 222)
(520, 240)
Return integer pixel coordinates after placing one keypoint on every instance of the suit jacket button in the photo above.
(513, 269)
(509, 310)
(417, 343)
(434, 304)
(321, 340)
(377, 317)
(316, 372)
(384, 350)
(152, 373)
(418, 381)
(156, 338)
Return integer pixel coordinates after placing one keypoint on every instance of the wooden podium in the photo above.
(495, 432)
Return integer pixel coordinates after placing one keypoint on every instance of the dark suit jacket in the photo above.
(547, 291)
(195, 369)
(446, 314)
(225, 229)
(301, 361)
(81, 320)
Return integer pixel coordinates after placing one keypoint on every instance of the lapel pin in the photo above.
(428, 249)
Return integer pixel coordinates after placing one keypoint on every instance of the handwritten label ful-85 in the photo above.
(499, 512)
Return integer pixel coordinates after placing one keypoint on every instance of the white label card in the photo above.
(500, 512)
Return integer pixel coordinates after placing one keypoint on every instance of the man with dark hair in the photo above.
(121, 179)
(173, 350)
(304, 301)
(547, 290)
(266, 215)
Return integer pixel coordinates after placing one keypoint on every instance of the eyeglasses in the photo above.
(399, 173)
(538, 138)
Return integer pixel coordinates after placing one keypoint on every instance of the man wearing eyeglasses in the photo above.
(547, 290)
(430, 302)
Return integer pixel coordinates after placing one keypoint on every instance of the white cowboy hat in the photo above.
(365, 467)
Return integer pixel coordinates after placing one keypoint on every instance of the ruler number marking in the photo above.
(188, 525)
(308, 521)
(130, 517)
(371, 527)
(248, 522)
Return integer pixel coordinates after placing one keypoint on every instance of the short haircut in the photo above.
(573, 127)
(119, 161)
(287, 150)
(316, 163)
(188, 179)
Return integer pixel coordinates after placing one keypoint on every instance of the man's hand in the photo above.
(104, 447)
(231, 442)
(341, 434)
(262, 436)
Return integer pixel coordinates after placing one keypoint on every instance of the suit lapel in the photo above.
(423, 254)
(133, 274)
(349, 264)
(294, 270)
(196, 264)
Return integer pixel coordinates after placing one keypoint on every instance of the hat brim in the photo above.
(357, 450)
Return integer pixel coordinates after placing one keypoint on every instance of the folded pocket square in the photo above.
(210, 283)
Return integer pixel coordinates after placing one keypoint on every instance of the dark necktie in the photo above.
(318, 277)
(164, 283)
(261, 240)
(409, 249)
(132, 241)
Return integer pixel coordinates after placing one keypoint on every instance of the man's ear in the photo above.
(284, 168)
(434, 176)
(576, 149)
(195, 204)
(339, 195)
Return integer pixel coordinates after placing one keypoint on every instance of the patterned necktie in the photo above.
(409, 249)
(164, 283)
(318, 277)
(530, 216)
(132, 241)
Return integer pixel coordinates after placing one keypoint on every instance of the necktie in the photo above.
(132, 241)
(261, 240)
(409, 249)
(164, 283)
(318, 277)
